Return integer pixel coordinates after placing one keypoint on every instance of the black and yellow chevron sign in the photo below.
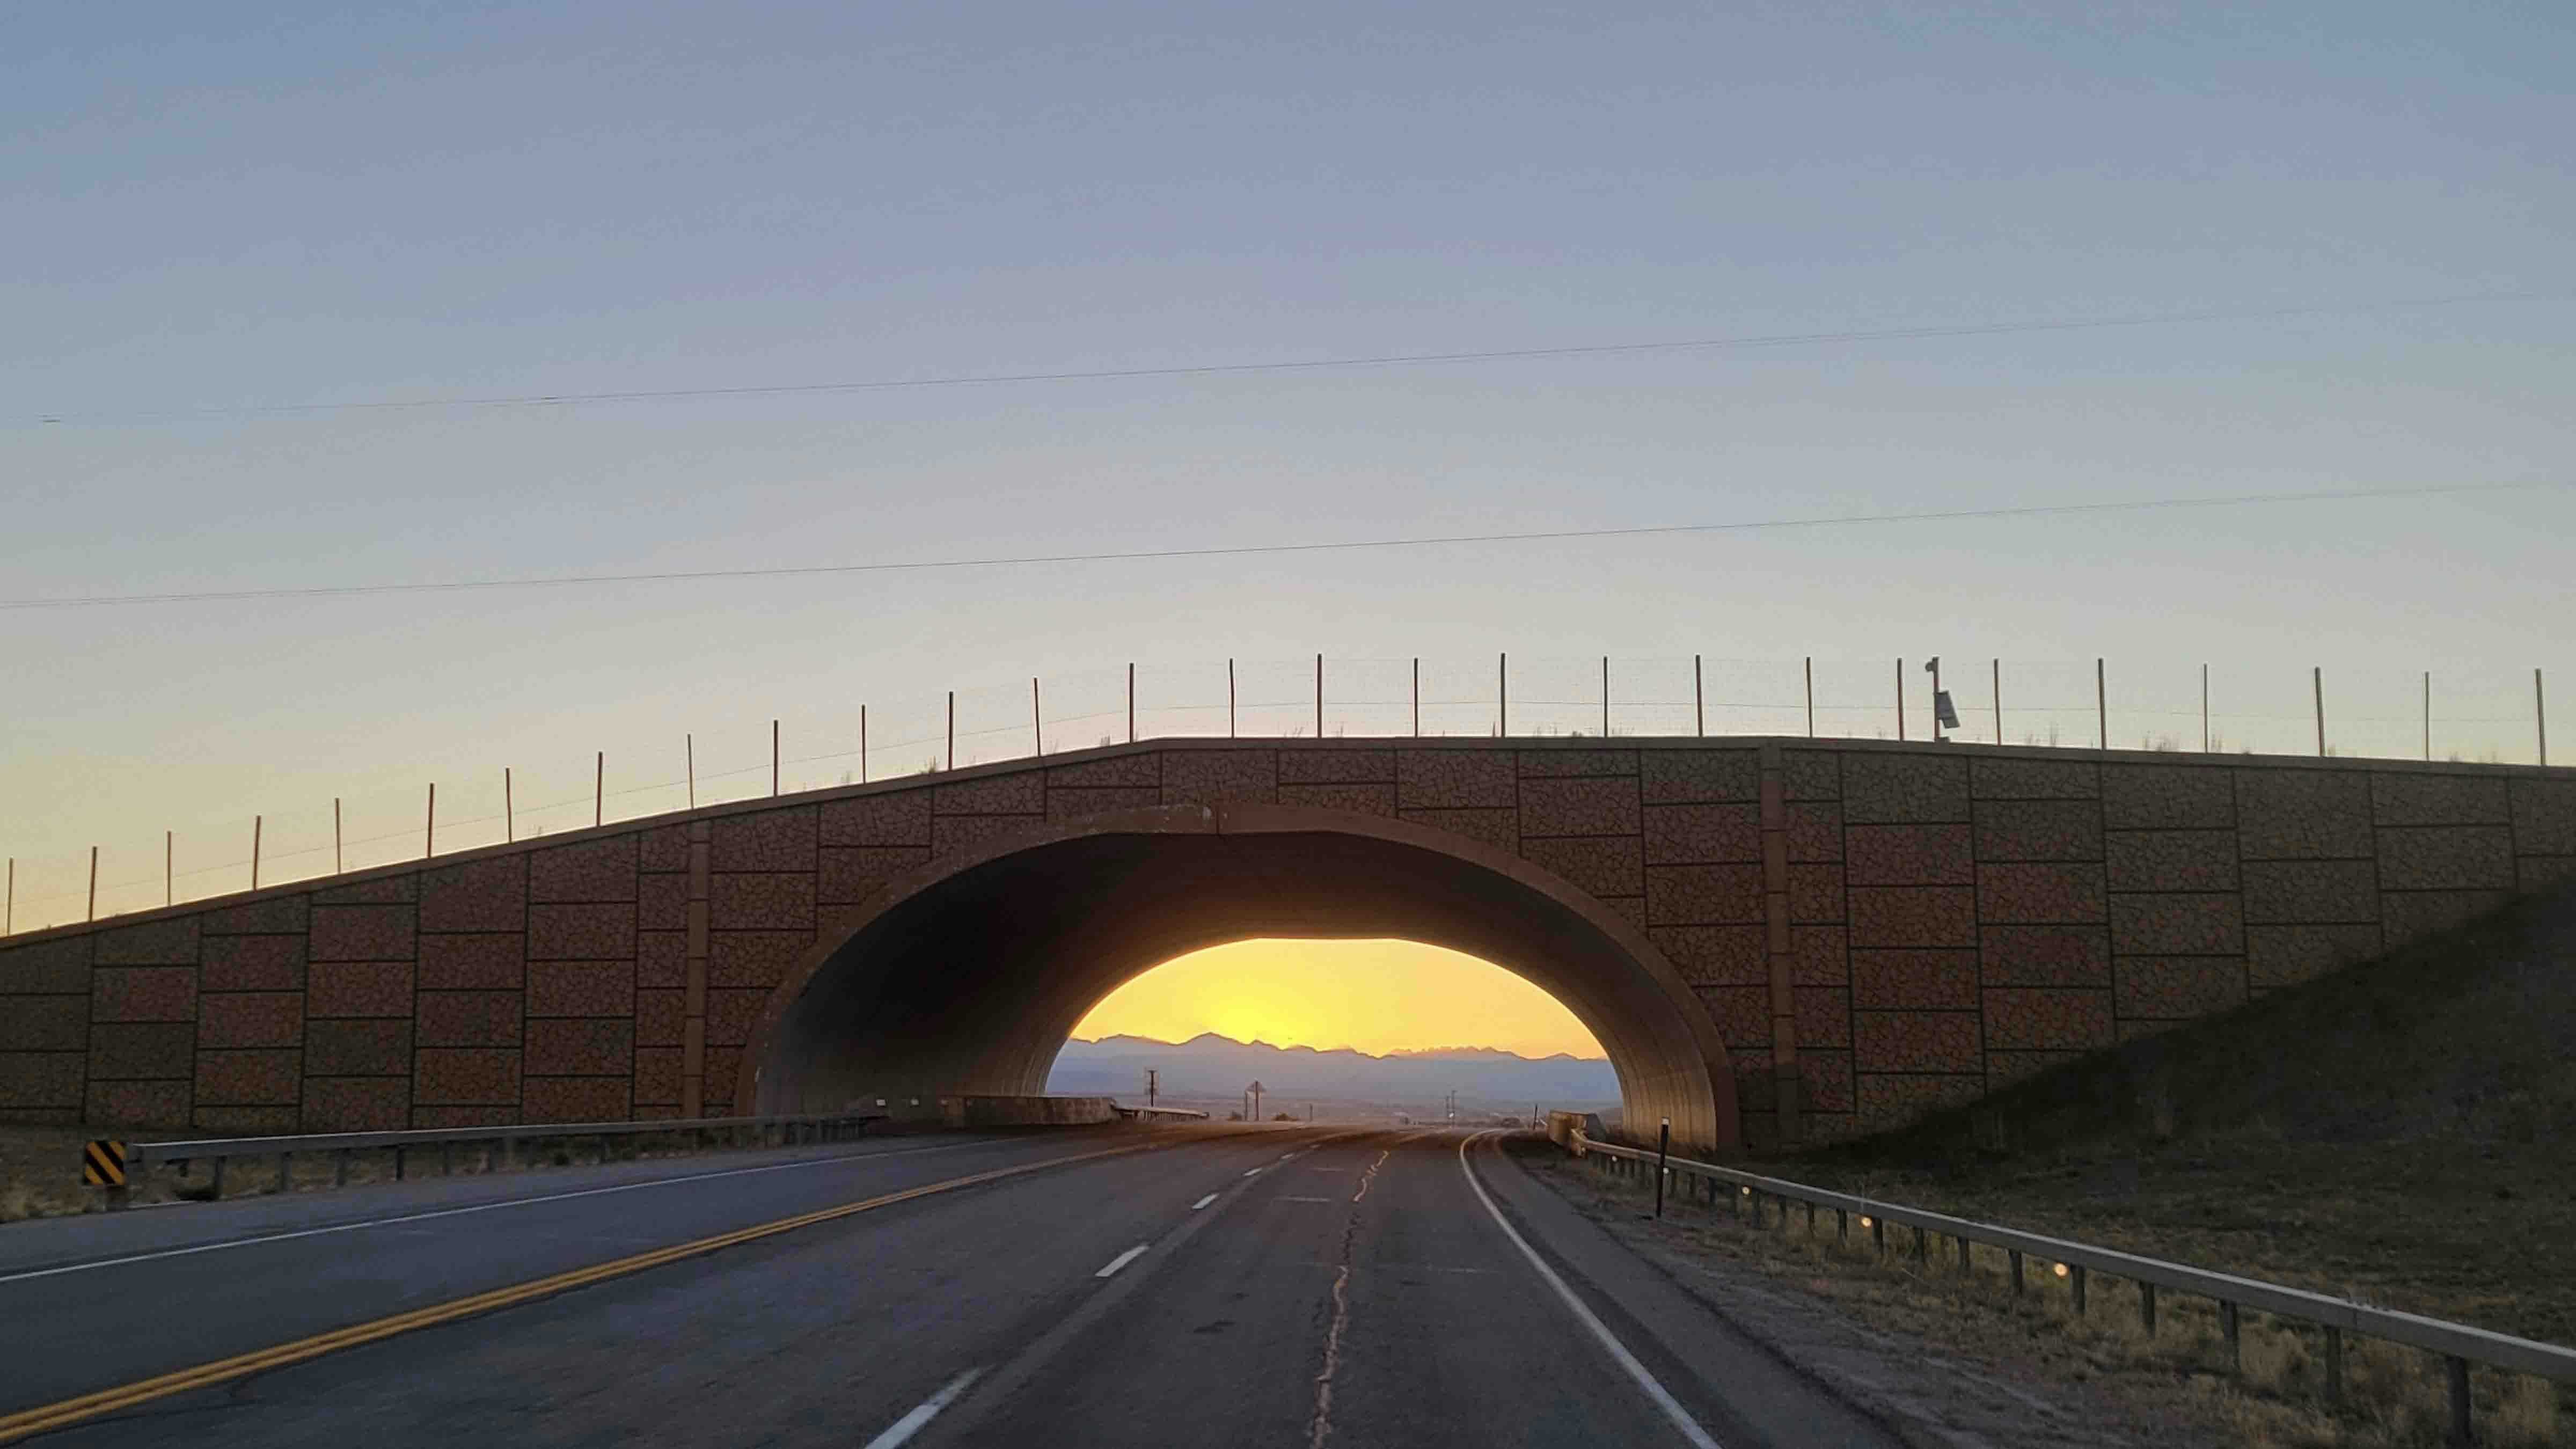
(103, 1164)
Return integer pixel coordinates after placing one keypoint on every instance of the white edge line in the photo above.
(1123, 1259)
(1256, 1172)
(1202, 1202)
(1663, 1398)
(925, 1411)
(483, 1207)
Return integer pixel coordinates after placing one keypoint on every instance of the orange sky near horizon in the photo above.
(1373, 995)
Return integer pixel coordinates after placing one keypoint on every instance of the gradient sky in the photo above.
(214, 213)
(1376, 996)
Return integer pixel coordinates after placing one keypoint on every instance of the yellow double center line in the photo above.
(107, 1401)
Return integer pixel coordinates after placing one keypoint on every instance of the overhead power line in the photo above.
(1401, 359)
(2040, 510)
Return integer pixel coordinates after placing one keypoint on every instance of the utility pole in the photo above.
(1255, 1090)
(1153, 1080)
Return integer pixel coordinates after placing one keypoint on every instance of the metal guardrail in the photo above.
(2458, 1344)
(142, 1157)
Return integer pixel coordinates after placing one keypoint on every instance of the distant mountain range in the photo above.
(1213, 1066)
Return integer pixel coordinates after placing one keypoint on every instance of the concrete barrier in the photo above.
(998, 1111)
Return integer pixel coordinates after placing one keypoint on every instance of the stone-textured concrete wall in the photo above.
(1904, 926)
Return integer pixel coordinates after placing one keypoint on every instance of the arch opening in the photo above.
(967, 975)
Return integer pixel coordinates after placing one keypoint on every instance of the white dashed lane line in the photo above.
(927, 1410)
(1123, 1259)
(1202, 1202)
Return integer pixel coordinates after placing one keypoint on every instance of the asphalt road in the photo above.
(1249, 1286)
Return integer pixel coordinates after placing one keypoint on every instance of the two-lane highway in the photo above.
(1261, 1285)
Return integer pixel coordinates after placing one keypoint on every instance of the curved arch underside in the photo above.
(971, 980)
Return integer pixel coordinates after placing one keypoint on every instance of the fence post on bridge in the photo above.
(952, 729)
(1037, 721)
(863, 744)
(773, 750)
(93, 883)
(1605, 696)
(2540, 716)
(599, 788)
(2101, 706)
(1417, 696)
(1131, 703)
(1319, 696)
(1900, 699)
(336, 865)
(2317, 678)
(1502, 696)
(167, 849)
(1811, 696)
(1699, 700)
(254, 842)
(429, 825)
(510, 809)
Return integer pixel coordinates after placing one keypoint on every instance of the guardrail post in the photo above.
(2463, 1432)
(340, 1168)
(2075, 1280)
(398, 1162)
(1878, 1236)
(2229, 1331)
(2015, 1256)
(1842, 1225)
(2334, 1364)
(2147, 1307)
(219, 1179)
(1965, 1267)
(285, 1162)
(1922, 1246)
(1811, 1221)
(447, 1159)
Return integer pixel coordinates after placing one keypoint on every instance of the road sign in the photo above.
(103, 1164)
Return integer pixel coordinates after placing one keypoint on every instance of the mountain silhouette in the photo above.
(1213, 1066)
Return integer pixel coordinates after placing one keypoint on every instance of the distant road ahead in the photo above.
(1249, 1286)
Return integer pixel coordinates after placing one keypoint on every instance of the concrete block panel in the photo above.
(1825, 1080)
(591, 871)
(467, 1076)
(249, 1079)
(951, 834)
(899, 817)
(357, 1048)
(2446, 857)
(1360, 799)
(1498, 828)
(581, 988)
(1819, 955)
(2025, 830)
(785, 838)
(1890, 1099)
(126, 1050)
(1456, 779)
(2045, 956)
(1890, 855)
(153, 943)
(1916, 1041)
(276, 916)
(575, 1099)
(2168, 797)
(485, 961)
(137, 1104)
(1065, 803)
(1579, 807)
(2177, 925)
(662, 903)
(661, 1018)
(2303, 814)
(2024, 1018)
(1999, 779)
(2544, 816)
(659, 1078)
(1824, 1016)
(475, 895)
(661, 958)
(1019, 793)
(1605, 866)
(2171, 860)
(1913, 916)
(1816, 894)
(1816, 831)
(1715, 955)
(1811, 774)
(362, 933)
(1571, 762)
(597, 932)
(1939, 980)
(2543, 872)
(250, 963)
(578, 1046)
(246, 1121)
(495, 1115)
(732, 1014)
(1337, 767)
(1140, 769)
(45, 1024)
(753, 958)
(42, 1080)
(50, 968)
(356, 1104)
(2178, 986)
(468, 1018)
(2286, 955)
(2305, 891)
(1631, 909)
(1702, 834)
(143, 993)
(251, 1019)
(724, 1064)
(2406, 916)
(2003, 1068)
(1220, 777)
(391, 890)
(779, 901)
(1704, 895)
(662, 848)
(1742, 1013)
(2417, 799)
(1895, 788)
(853, 873)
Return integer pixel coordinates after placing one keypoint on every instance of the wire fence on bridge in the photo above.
(2486, 715)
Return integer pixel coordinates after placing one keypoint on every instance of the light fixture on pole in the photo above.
(1944, 714)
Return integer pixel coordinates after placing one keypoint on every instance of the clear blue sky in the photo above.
(211, 214)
